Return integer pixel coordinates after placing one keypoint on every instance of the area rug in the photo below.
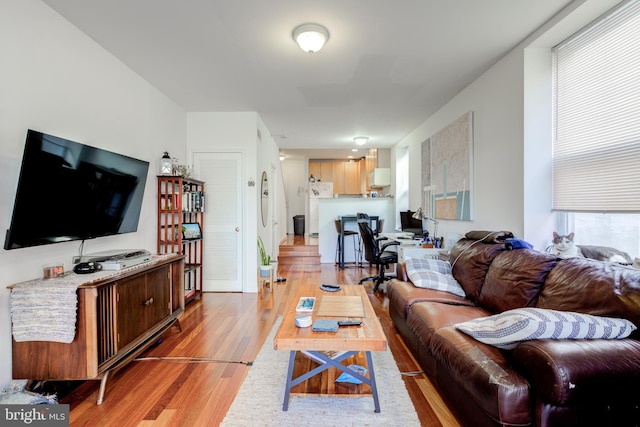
(259, 401)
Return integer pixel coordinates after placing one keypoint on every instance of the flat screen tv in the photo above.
(71, 191)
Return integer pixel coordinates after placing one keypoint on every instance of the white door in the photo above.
(223, 235)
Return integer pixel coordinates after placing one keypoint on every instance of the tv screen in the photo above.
(71, 191)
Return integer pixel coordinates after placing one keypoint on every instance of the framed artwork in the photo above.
(447, 170)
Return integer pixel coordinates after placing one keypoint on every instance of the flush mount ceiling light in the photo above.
(361, 140)
(310, 37)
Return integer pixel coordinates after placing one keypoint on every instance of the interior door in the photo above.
(222, 230)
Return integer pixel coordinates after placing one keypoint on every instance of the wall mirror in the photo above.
(264, 198)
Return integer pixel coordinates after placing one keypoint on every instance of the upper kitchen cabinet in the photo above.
(352, 181)
(380, 177)
(377, 159)
(315, 170)
(345, 175)
(337, 169)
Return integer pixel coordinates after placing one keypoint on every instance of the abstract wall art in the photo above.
(447, 168)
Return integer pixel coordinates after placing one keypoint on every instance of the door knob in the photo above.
(237, 228)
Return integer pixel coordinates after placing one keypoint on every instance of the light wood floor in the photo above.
(226, 330)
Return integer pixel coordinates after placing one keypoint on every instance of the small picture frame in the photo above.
(191, 231)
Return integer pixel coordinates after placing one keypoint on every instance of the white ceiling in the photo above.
(388, 65)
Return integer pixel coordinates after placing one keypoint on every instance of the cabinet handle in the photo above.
(148, 302)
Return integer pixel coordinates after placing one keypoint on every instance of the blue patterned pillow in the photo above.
(507, 329)
(432, 274)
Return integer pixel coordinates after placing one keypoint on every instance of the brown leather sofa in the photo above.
(540, 382)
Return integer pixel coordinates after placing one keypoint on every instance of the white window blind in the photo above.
(596, 97)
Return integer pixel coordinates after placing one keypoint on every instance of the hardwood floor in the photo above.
(206, 362)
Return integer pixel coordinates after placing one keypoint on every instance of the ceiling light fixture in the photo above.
(310, 37)
(361, 140)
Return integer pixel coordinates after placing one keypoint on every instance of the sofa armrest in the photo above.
(574, 372)
(401, 272)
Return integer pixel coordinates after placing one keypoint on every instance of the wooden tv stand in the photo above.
(120, 314)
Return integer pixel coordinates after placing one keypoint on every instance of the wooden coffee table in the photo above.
(321, 353)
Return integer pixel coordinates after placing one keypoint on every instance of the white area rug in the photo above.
(259, 401)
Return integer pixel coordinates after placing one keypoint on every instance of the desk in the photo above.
(344, 219)
(410, 248)
(418, 252)
(403, 238)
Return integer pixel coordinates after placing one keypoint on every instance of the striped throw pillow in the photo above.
(507, 329)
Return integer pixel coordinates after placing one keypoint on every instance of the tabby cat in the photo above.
(564, 247)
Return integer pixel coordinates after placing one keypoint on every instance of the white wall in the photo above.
(496, 100)
(238, 132)
(512, 134)
(56, 80)
(296, 184)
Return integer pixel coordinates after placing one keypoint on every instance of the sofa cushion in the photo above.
(470, 261)
(515, 279)
(426, 317)
(489, 236)
(402, 295)
(422, 277)
(507, 329)
(593, 287)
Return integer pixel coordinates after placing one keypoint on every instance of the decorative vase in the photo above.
(264, 270)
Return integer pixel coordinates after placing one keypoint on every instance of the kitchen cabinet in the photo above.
(345, 175)
(315, 170)
(380, 177)
(337, 169)
(352, 181)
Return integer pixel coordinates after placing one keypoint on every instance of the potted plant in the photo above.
(265, 259)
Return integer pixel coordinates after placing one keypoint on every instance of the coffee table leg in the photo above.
(374, 388)
(287, 388)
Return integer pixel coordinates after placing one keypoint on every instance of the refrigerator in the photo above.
(317, 190)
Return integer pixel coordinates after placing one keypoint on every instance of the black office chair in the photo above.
(411, 225)
(379, 227)
(375, 251)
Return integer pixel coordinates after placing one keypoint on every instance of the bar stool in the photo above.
(356, 239)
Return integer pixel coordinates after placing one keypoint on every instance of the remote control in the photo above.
(349, 322)
(331, 286)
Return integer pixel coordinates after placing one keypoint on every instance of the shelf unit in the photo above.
(180, 201)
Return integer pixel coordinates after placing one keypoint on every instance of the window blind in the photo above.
(596, 113)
